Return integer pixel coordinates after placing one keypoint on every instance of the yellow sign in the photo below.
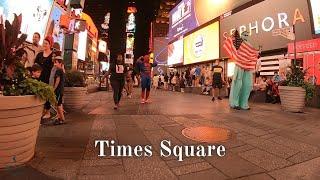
(151, 57)
(202, 45)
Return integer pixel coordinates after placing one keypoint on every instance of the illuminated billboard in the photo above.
(315, 6)
(182, 19)
(202, 45)
(35, 15)
(175, 52)
(102, 46)
(189, 14)
(82, 46)
(161, 50)
(262, 19)
(54, 25)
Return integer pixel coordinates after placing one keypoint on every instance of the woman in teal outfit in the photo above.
(240, 89)
(242, 82)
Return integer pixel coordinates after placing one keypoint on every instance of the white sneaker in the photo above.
(143, 101)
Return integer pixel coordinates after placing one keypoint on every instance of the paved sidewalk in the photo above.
(267, 143)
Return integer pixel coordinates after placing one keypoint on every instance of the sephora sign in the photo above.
(261, 19)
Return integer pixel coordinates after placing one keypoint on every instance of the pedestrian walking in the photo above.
(58, 87)
(182, 83)
(117, 73)
(166, 81)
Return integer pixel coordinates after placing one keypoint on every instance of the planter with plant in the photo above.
(75, 90)
(21, 100)
(295, 90)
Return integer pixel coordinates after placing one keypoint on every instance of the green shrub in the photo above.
(14, 79)
(75, 79)
(296, 78)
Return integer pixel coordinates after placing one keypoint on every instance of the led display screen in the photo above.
(82, 46)
(189, 14)
(35, 15)
(264, 18)
(161, 50)
(315, 6)
(202, 45)
(53, 26)
(175, 52)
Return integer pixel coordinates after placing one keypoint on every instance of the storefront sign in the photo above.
(263, 18)
(202, 45)
(305, 46)
(315, 6)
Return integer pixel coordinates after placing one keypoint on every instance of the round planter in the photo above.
(19, 124)
(74, 97)
(292, 98)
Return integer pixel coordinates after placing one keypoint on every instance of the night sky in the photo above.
(117, 35)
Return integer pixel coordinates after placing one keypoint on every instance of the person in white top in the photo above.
(162, 80)
(155, 81)
(33, 49)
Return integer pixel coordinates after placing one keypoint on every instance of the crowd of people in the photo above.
(44, 63)
(210, 79)
(269, 85)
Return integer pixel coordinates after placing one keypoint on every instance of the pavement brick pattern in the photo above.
(267, 143)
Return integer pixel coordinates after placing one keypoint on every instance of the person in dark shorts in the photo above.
(58, 89)
(217, 80)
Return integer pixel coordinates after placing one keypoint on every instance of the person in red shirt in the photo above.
(144, 66)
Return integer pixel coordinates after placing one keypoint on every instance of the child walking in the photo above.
(58, 88)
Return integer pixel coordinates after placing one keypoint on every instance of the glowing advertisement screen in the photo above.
(262, 19)
(53, 26)
(182, 19)
(189, 14)
(35, 14)
(315, 6)
(82, 46)
(161, 50)
(202, 45)
(175, 52)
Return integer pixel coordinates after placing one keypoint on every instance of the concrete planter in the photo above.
(292, 98)
(19, 124)
(75, 97)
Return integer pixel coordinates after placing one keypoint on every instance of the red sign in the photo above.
(64, 21)
(305, 46)
(61, 2)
